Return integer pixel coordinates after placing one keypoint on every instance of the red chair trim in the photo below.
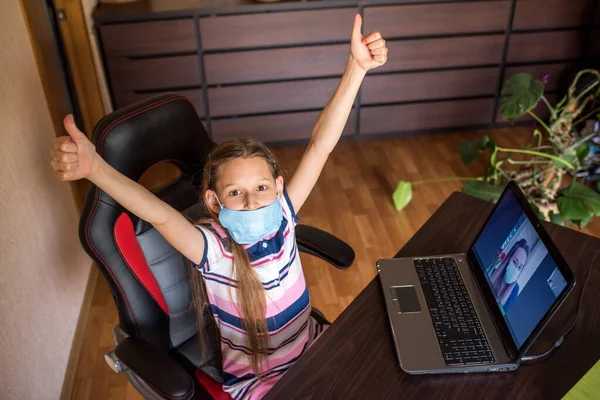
(134, 257)
(213, 387)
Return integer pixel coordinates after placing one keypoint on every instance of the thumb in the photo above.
(356, 29)
(72, 129)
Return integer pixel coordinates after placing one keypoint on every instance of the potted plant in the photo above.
(548, 168)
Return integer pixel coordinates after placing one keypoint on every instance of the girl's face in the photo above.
(244, 184)
(518, 259)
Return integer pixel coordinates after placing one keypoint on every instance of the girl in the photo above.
(250, 274)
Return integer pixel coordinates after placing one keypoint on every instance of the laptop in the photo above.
(482, 310)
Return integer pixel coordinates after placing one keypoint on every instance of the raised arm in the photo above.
(366, 52)
(74, 157)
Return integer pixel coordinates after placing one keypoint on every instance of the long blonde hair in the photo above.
(250, 291)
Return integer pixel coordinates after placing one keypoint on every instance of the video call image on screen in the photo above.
(523, 276)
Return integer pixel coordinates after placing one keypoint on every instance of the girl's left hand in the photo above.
(367, 51)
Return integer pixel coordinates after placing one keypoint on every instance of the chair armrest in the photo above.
(158, 370)
(324, 245)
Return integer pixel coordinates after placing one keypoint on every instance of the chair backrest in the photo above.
(148, 278)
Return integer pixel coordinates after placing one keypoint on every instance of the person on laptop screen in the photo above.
(504, 279)
(523, 277)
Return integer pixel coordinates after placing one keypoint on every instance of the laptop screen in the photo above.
(522, 275)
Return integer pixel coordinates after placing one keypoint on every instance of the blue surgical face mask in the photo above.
(250, 226)
(512, 273)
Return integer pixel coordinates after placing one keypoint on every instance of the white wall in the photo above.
(43, 269)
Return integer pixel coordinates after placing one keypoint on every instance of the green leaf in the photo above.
(402, 195)
(537, 211)
(572, 223)
(483, 190)
(573, 209)
(582, 153)
(584, 195)
(520, 94)
(582, 223)
(469, 149)
(570, 157)
(556, 218)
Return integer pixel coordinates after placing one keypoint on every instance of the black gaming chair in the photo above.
(156, 339)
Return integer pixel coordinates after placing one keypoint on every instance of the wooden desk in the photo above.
(355, 357)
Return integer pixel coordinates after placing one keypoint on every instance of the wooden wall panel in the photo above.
(544, 14)
(281, 96)
(446, 52)
(429, 85)
(269, 66)
(270, 29)
(545, 46)
(410, 117)
(301, 62)
(146, 38)
(594, 43)
(154, 73)
(273, 128)
(441, 18)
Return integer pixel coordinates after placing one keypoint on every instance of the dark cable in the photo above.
(560, 340)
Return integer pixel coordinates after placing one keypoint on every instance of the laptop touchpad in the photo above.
(405, 299)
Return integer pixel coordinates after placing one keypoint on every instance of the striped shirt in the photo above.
(291, 329)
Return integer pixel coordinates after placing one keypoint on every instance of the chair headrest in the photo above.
(163, 128)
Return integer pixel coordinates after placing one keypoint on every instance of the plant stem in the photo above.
(498, 169)
(561, 103)
(510, 161)
(536, 153)
(580, 142)
(493, 162)
(584, 118)
(538, 134)
(453, 178)
(552, 110)
(579, 75)
(542, 123)
(583, 104)
(543, 147)
(587, 89)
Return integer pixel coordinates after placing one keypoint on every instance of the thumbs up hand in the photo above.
(368, 51)
(73, 156)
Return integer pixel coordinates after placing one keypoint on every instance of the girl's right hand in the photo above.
(73, 156)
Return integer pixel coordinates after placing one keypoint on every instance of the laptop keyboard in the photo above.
(455, 321)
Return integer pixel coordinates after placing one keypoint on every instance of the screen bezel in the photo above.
(514, 352)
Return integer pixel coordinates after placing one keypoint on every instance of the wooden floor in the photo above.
(351, 200)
